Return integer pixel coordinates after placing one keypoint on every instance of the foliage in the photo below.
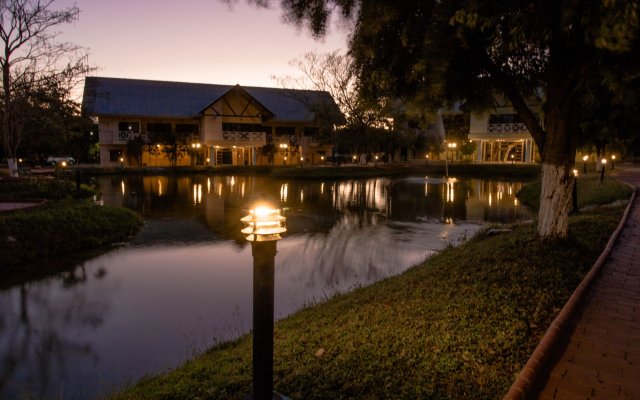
(32, 188)
(433, 53)
(135, 149)
(589, 191)
(31, 59)
(63, 228)
(269, 151)
(457, 326)
(173, 145)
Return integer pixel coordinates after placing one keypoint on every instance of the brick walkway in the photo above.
(600, 356)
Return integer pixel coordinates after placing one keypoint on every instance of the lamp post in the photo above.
(512, 156)
(613, 161)
(284, 149)
(604, 164)
(446, 157)
(584, 164)
(574, 192)
(426, 159)
(121, 162)
(263, 227)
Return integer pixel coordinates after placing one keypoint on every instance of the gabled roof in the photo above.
(160, 99)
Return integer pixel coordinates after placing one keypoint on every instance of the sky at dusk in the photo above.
(204, 41)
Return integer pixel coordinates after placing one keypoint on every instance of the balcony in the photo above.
(514, 127)
(122, 137)
(243, 136)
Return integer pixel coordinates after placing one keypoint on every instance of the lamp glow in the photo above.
(264, 223)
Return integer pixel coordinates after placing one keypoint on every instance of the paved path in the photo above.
(601, 354)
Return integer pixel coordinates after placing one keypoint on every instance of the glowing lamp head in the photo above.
(613, 157)
(575, 172)
(264, 223)
(64, 164)
(585, 158)
(604, 160)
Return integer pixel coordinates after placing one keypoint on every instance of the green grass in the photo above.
(458, 326)
(590, 191)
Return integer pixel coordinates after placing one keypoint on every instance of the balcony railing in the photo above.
(125, 136)
(243, 136)
(515, 127)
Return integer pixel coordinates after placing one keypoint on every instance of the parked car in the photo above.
(53, 161)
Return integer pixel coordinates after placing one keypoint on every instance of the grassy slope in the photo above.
(459, 325)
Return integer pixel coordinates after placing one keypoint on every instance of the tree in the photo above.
(432, 53)
(30, 56)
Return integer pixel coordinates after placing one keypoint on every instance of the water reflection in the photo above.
(185, 281)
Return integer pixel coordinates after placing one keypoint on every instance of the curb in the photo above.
(530, 373)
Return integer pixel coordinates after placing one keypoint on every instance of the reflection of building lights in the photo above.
(242, 189)
(219, 190)
(426, 189)
(159, 187)
(515, 202)
(450, 191)
(197, 194)
(232, 181)
(122, 185)
(490, 199)
(322, 188)
(208, 185)
(301, 196)
(284, 192)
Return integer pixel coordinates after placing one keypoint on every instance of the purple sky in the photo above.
(191, 40)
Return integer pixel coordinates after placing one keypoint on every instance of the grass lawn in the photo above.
(458, 326)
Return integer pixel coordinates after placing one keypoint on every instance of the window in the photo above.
(159, 128)
(239, 127)
(308, 131)
(504, 118)
(285, 130)
(114, 155)
(192, 129)
(129, 127)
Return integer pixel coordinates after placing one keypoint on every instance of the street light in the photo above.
(604, 164)
(284, 149)
(122, 162)
(574, 192)
(446, 157)
(584, 164)
(613, 161)
(263, 227)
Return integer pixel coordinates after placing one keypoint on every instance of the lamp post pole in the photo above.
(263, 228)
(264, 254)
(604, 164)
(584, 164)
(574, 192)
(613, 162)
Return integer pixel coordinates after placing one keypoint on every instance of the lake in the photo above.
(184, 282)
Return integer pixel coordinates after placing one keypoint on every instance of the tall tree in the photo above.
(29, 55)
(431, 52)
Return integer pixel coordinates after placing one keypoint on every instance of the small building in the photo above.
(501, 136)
(157, 123)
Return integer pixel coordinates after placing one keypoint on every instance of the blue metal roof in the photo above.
(146, 98)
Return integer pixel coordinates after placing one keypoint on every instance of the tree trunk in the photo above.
(13, 167)
(555, 201)
(558, 160)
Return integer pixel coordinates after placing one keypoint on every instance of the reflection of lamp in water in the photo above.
(263, 227)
